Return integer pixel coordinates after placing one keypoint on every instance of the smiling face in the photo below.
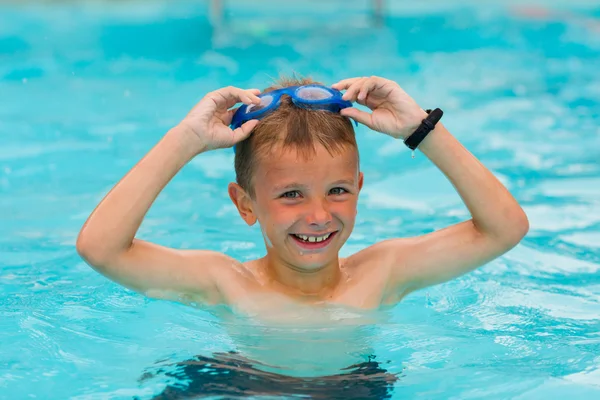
(306, 206)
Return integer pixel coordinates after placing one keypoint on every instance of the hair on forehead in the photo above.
(294, 128)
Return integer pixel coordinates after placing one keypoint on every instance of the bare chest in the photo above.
(305, 336)
(361, 290)
(304, 339)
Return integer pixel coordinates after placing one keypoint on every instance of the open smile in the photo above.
(313, 242)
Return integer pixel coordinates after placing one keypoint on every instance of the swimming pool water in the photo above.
(86, 89)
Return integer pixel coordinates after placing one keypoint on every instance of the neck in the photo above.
(320, 282)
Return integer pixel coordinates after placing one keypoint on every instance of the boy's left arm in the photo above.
(498, 222)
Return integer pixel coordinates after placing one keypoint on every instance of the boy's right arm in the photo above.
(107, 240)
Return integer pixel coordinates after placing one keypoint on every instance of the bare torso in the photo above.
(303, 336)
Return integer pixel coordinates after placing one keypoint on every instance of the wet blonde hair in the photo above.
(290, 126)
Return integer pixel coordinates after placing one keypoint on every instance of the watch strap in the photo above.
(427, 125)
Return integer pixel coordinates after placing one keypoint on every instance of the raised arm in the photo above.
(107, 240)
(498, 222)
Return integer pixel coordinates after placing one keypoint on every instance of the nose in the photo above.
(319, 215)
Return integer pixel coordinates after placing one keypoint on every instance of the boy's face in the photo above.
(307, 207)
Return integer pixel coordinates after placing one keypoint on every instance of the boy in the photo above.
(298, 176)
(298, 190)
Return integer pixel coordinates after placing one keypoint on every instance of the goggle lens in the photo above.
(313, 93)
(265, 101)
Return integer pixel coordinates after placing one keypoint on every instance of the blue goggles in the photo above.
(313, 97)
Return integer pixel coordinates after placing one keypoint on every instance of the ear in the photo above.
(243, 203)
(360, 180)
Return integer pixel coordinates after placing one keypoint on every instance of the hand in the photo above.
(210, 118)
(395, 113)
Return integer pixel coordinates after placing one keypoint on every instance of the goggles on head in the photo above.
(313, 97)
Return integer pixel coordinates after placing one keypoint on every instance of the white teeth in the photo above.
(313, 239)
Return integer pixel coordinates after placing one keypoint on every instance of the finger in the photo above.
(228, 116)
(245, 130)
(357, 115)
(247, 99)
(229, 96)
(253, 95)
(224, 98)
(352, 91)
(367, 86)
(248, 96)
(345, 83)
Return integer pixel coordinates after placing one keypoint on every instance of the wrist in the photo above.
(439, 131)
(414, 124)
(188, 138)
(425, 127)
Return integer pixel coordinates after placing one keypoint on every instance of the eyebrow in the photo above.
(296, 185)
(344, 181)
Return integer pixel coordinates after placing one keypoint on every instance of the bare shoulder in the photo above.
(237, 280)
(215, 278)
(377, 254)
(376, 267)
(221, 266)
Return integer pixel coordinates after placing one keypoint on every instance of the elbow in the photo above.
(516, 229)
(509, 231)
(90, 250)
(85, 249)
(523, 225)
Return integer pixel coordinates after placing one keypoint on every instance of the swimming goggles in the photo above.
(313, 97)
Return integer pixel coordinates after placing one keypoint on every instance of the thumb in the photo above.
(244, 131)
(357, 115)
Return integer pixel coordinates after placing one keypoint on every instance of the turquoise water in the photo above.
(86, 90)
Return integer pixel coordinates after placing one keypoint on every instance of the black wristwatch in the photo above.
(423, 130)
